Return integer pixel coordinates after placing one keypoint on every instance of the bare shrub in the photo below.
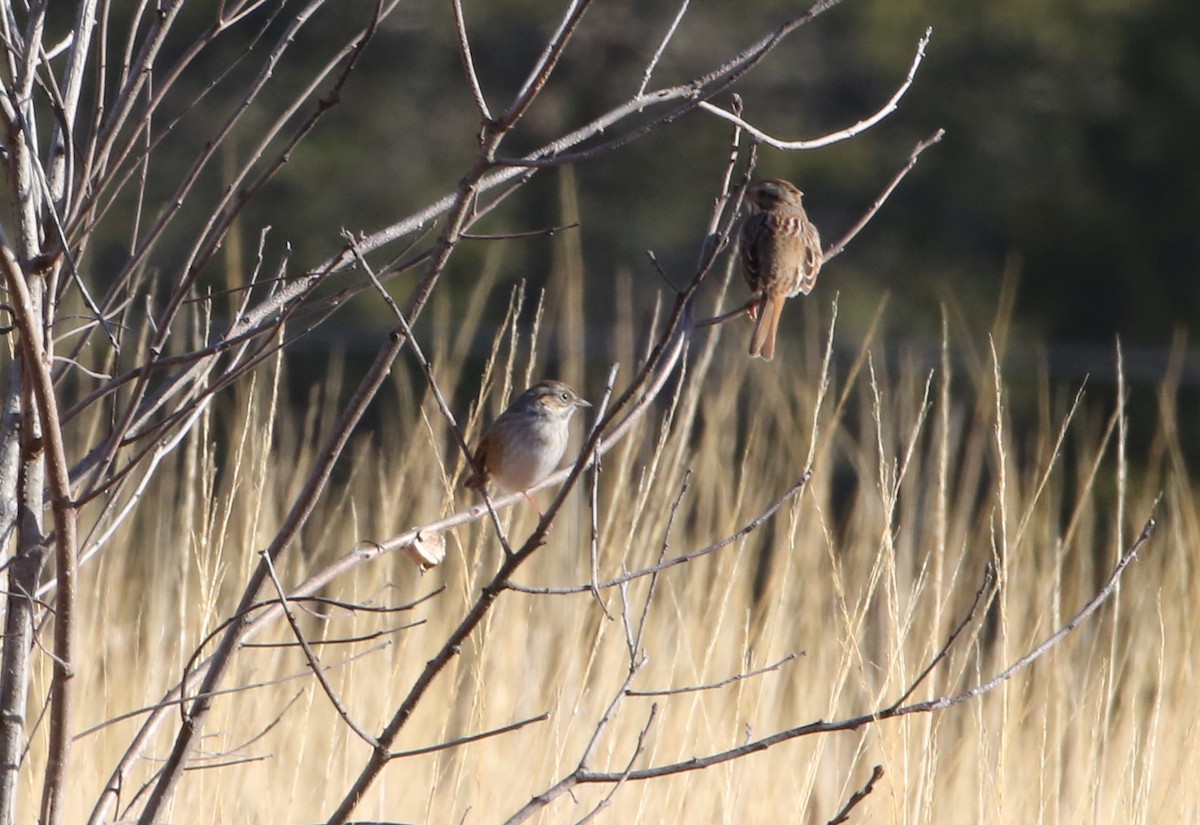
(147, 441)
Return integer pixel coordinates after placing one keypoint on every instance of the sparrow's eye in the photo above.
(563, 396)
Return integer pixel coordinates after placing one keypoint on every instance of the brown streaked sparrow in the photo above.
(781, 256)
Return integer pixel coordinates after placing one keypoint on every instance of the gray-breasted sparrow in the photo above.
(527, 441)
(781, 256)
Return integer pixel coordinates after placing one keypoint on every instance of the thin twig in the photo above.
(742, 532)
(474, 737)
(355, 607)
(862, 793)
(545, 64)
(662, 47)
(661, 273)
(548, 232)
(837, 248)
(594, 517)
(313, 663)
(638, 749)
(714, 685)
(180, 700)
(572, 779)
(833, 137)
(258, 737)
(989, 579)
(244, 760)
(464, 51)
(673, 514)
(272, 607)
(1025, 661)
(344, 640)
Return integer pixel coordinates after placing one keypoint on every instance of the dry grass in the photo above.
(921, 477)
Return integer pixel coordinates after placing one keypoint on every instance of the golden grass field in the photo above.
(921, 476)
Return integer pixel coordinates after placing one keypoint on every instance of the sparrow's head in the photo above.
(552, 398)
(771, 194)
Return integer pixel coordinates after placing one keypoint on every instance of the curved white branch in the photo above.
(841, 134)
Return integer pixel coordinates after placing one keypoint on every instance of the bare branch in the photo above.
(178, 700)
(228, 763)
(638, 750)
(1025, 661)
(344, 640)
(37, 362)
(318, 478)
(261, 734)
(594, 499)
(833, 137)
(474, 737)
(571, 780)
(714, 685)
(741, 533)
(545, 65)
(313, 663)
(464, 51)
(837, 248)
(862, 793)
(989, 580)
(662, 47)
(548, 232)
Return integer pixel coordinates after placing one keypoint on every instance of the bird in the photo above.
(781, 256)
(526, 442)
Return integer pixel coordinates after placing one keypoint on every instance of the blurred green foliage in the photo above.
(1070, 157)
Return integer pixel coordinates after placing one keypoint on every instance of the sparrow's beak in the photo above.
(579, 402)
